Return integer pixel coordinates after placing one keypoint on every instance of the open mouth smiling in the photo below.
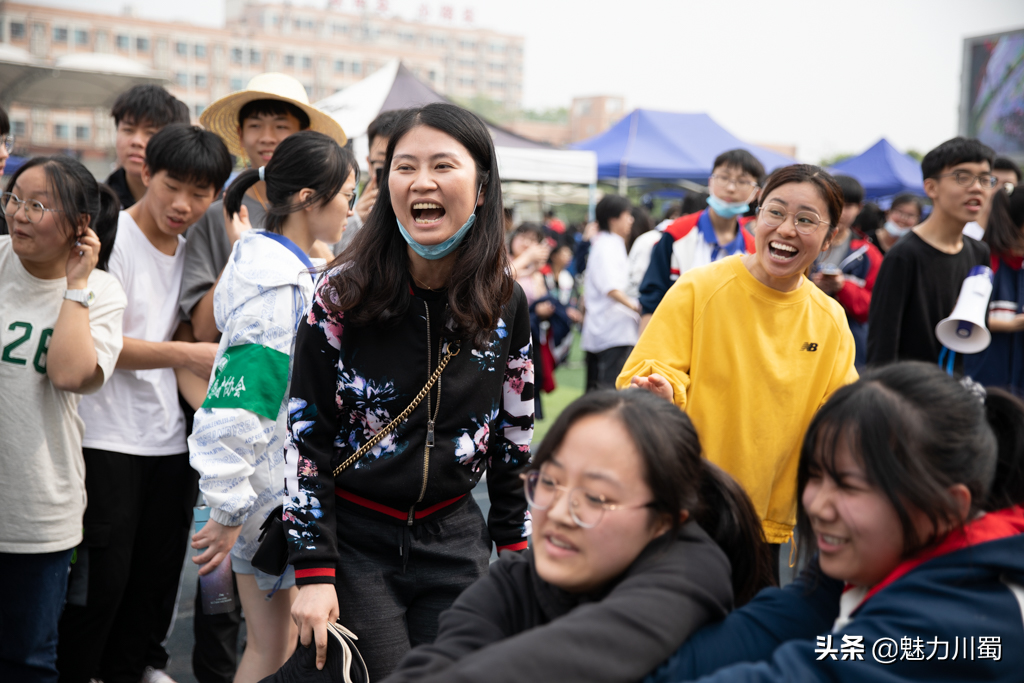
(427, 213)
(781, 251)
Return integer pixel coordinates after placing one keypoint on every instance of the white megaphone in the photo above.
(964, 331)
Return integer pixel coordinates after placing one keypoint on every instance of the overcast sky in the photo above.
(826, 76)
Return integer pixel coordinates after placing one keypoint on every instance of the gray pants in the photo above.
(394, 580)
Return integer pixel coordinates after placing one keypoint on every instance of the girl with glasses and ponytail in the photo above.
(638, 541)
(61, 337)
(750, 348)
(237, 441)
(413, 377)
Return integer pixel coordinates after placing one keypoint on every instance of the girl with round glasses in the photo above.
(637, 542)
(750, 348)
(60, 336)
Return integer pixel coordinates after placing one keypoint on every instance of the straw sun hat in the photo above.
(221, 117)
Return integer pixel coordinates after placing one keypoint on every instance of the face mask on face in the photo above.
(432, 252)
(895, 230)
(727, 209)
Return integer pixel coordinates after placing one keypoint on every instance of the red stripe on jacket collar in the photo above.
(993, 526)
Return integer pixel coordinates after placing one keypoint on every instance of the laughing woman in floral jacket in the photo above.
(391, 540)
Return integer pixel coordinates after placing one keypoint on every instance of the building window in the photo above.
(81, 37)
(60, 131)
(236, 84)
(142, 44)
(181, 49)
(467, 45)
(236, 55)
(200, 80)
(467, 63)
(60, 35)
(200, 51)
(307, 62)
(357, 68)
(432, 75)
(181, 79)
(496, 85)
(122, 42)
(494, 66)
(497, 47)
(339, 66)
(17, 30)
(340, 28)
(18, 128)
(254, 57)
(82, 133)
(297, 24)
(199, 109)
(467, 82)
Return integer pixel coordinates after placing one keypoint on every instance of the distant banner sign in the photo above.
(992, 109)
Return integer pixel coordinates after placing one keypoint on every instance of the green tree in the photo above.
(834, 159)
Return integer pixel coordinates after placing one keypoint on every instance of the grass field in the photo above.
(570, 379)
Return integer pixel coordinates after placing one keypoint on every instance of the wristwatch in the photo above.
(82, 296)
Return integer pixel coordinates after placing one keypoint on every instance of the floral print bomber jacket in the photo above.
(349, 382)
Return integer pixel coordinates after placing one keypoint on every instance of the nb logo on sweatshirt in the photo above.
(809, 346)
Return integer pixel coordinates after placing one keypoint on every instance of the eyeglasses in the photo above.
(33, 210)
(909, 217)
(586, 509)
(966, 179)
(805, 222)
(740, 183)
(8, 142)
(351, 198)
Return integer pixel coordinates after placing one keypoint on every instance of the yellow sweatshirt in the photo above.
(750, 365)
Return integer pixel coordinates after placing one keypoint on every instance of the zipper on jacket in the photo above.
(431, 420)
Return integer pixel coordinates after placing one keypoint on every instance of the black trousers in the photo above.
(137, 525)
(604, 367)
(394, 580)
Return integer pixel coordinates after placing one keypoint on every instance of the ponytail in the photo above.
(104, 223)
(1005, 415)
(304, 160)
(727, 515)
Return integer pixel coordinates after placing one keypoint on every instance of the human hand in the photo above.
(367, 198)
(218, 540)
(589, 231)
(315, 606)
(544, 310)
(574, 314)
(656, 384)
(830, 284)
(199, 358)
(237, 224)
(539, 253)
(82, 259)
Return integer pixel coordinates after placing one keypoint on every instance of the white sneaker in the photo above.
(151, 675)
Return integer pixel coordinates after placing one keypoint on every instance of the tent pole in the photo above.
(592, 203)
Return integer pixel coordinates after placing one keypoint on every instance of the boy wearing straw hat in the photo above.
(252, 123)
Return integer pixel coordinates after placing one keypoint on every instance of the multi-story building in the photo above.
(326, 50)
(590, 116)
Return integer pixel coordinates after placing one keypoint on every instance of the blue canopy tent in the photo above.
(883, 171)
(667, 145)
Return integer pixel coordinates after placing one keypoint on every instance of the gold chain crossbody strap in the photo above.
(405, 413)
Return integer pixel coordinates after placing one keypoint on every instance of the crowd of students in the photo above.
(342, 368)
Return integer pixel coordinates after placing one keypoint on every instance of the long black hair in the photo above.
(373, 285)
(306, 159)
(918, 432)
(679, 478)
(78, 194)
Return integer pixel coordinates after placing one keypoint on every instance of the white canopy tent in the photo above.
(395, 87)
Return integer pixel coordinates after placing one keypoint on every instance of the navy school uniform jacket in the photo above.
(942, 616)
(1002, 363)
(860, 269)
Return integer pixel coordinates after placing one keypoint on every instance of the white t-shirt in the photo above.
(137, 412)
(42, 474)
(607, 323)
(974, 230)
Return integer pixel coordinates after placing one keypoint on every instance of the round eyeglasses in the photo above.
(966, 179)
(586, 509)
(805, 222)
(740, 183)
(7, 142)
(34, 211)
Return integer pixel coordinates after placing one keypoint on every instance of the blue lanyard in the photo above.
(294, 248)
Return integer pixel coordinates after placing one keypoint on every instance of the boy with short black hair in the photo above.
(139, 483)
(139, 113)
(920, 279)
(707, 236)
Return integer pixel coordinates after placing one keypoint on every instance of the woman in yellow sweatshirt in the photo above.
(750, 348)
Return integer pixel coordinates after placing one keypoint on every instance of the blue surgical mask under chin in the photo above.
(895, 230)
(727, 209)
(432, 252)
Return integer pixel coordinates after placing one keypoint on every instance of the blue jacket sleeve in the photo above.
(658, 277)
(806, 607)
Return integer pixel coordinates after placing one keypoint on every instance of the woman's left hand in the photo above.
(82, 259)
(218, 541)
(656, 384)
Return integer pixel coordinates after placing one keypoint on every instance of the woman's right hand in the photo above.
(237, 224)
(315, 606)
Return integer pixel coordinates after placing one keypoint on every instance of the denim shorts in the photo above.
(264, 581)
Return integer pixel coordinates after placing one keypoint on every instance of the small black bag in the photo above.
(272, 555)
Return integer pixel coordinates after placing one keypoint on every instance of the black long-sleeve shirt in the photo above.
(513, 626)
(349, 382)
(917, 286)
